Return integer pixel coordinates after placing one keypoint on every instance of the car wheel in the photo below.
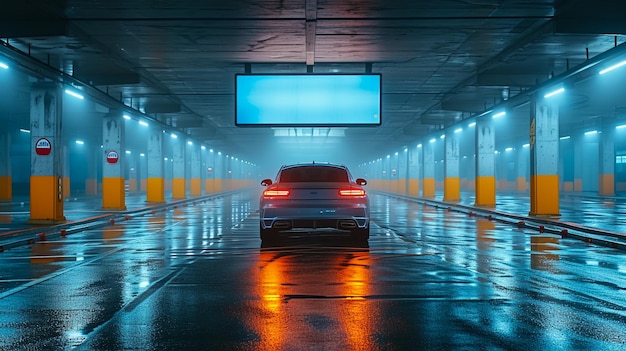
(360, 234)
(267, 234)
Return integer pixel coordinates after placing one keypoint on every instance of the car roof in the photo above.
(327, 164)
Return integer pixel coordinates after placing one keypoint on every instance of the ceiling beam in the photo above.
(311, 29)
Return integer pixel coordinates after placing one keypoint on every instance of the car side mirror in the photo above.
(361, 181)
(266, 182)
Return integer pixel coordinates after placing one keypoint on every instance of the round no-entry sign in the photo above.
(43, 147)
(112, 156)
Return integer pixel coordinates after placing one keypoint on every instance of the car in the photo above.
(314, 198)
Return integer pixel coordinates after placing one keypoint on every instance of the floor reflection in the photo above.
(315, 290)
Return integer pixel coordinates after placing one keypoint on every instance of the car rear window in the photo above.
(313, 174)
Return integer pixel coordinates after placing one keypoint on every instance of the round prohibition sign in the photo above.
(43, 147)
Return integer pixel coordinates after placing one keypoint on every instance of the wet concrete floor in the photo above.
(197, 278)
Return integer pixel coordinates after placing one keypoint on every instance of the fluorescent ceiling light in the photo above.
(145, 124)
(419, 145)
(606, 70)
(591, 132)
(126, 117)
(3, 65)
(203, 147)
(473, 124)
(80, 142)
(443, 136)
(564, 137)
(142, 154)
(173, 136)
(499, 114)
(190, 143)
(128, 152)
(74, 94)
(459, 130)
(433, 140)
(24, 130)
(526, 145)
(621, 126)
(508, 149)
(555, 92)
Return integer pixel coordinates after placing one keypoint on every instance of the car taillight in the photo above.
(276, 193)
(352, 192)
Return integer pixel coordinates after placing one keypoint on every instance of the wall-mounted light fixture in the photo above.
(74, 94)
(616, 66)
(554, 92)
(499, 114)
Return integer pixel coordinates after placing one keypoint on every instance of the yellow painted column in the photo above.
(46, 180)
(6, 188)
(195, 182)
(452, 180)
(155, 181)
(414, 187)
(414, 170)
(155, 190)
(66, 172)
(606, 181)
(6, 184)
(179, 183)
(485, 190)
(544, 148)
(429, 187)
(485, 181)
(428, 155)
(178, 188)
(113, 164)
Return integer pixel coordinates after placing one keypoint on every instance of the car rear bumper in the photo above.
(348, 218)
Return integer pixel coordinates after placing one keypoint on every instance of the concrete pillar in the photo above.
(544, 158)
(209, 182)
(179, 187)
(429, 169)
(113, 165)
(485, 162)
(155, 181)
(414, 170)
(219, 172)
(606, 177)
(452, 179)
(6, 184)
(46, 180)
(195, 174)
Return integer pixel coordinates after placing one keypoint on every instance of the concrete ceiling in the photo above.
(441, 61)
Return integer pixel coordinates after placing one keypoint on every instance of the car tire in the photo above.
(266, 235)
(360, 234)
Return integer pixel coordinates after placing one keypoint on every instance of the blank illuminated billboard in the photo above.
(308, 100)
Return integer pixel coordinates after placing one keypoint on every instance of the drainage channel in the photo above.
(542, 225)
(31, 236)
